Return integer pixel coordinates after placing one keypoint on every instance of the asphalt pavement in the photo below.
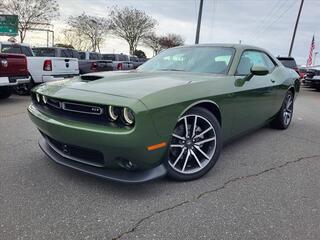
(265, 185)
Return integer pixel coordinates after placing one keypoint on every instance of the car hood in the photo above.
(131, 84)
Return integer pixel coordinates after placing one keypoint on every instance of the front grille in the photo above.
(77, 153)
(75, 111)
(84, 112)
(82, 108)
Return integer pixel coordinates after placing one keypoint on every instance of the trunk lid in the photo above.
(60, 65)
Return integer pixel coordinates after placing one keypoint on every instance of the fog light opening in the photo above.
(127, 164)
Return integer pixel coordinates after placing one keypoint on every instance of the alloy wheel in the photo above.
(193, 144)
(288, 110)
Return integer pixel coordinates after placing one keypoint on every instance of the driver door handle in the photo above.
(273, 81)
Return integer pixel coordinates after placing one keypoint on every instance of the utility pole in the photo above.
(295, 28)
(199, 22)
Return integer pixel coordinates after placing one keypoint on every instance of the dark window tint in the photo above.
(111, 57)
(66, 53)
(44, 52)
(82, 55)
(75, 54)
(288, 62)
(93, 56)
(123, 58)
(27, 51)
(134, 59)
(6, 48)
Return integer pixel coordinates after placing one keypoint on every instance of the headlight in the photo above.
(113, 114)
(38, 97)
(128, 116)
(44, 99)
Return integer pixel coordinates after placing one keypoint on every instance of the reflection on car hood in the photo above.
(132, 84)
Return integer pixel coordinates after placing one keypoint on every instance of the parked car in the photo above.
(289, 62)
(303, 72)
(119, 61)
(312, 79)
(135, 61)
(43, 69)
(13, 72)
(93, 62)
(170, 116)
(88, 61)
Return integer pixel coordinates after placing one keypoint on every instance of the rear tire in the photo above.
(195, 145)
(5, 92)
(284, 117)
(22, 89)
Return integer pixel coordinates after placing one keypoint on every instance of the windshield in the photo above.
(192, 59)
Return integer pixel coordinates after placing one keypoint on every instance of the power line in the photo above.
(274, 9)
(258, 36)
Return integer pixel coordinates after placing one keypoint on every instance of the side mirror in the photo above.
(259, 70)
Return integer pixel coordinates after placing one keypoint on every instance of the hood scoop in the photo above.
(91, 77)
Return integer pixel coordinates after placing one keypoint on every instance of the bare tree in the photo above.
(71, 37)
(91, 28)
(152, 41)
(131, 25)
(31, 13)
(171, 40)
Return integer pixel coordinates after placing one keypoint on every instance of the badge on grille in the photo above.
(4, 63)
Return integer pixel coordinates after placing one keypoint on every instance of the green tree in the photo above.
(139, 53)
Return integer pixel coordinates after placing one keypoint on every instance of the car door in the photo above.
(254, 98)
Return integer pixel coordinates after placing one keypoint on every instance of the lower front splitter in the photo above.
(117, 175)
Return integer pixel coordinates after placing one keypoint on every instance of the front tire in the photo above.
(195, 145)
(284, 117)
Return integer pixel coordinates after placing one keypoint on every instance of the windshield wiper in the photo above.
(171, 69)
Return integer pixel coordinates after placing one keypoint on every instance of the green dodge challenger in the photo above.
(171, 116)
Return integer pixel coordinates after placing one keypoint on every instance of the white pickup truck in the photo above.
(43, 69)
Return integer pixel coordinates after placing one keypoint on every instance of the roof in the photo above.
(233, 45)
(12, 43)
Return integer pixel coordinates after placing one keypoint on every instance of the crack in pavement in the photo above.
(194, 199)
(301, 138)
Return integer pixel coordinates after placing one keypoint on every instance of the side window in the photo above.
(82, 55)
(270, 64)
(26, 51)
(63, 53)
(66, 53)
(75, 54)
(250, 58)
(93, 56)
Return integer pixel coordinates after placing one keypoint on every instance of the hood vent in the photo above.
(90, 77)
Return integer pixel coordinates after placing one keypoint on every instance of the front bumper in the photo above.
(118, 175)
(102, 150)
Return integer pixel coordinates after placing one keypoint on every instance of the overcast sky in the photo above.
(265, 23)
